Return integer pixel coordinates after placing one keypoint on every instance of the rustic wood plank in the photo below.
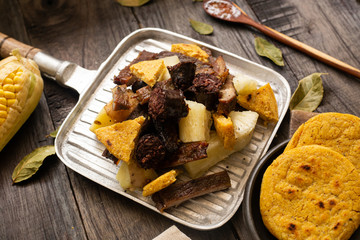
(44, 206)
(85, 32)
(87, 44)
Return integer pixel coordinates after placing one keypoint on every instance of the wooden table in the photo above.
(58, 203)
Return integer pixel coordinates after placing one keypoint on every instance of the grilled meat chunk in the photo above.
(206, 88)
(180, 192)
(143, 94)
(220, 68)
(139, 110)
(121, 97)
(108, 155)
(125, 76)
(165, 84)
(182, 74)
(227, 97)
(187, 152)
(169, 133)
(137, 85)
(167, 104)
(150, 151)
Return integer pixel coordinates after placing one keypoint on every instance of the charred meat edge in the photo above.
(227, 97)
(175, 194)
(187, 152)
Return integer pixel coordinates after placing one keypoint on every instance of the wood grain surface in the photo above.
(58, 203)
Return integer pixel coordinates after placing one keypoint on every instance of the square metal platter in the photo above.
(79, 149)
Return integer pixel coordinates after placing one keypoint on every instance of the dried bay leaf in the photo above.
(201, 27)
(308, 94)
(267, 49)
(53, 134)
(132, 3)
(30, 164)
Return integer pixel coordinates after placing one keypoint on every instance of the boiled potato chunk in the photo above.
(244, 125)
(243, 84)
(196, 125)
(101, 120)
(169, 61)
(132, 177)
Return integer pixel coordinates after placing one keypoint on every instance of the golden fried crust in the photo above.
(225, 130)
(190, 50)
(149, 71)
(311, 192)
(261, 101)
(338, 131)
(120, 138)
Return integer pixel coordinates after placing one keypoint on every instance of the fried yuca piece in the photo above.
(160, 183)
(120, 138)
(261, 101)
(190, 50)
(21, 87)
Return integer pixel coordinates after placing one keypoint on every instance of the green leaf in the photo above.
(30, 164)
(53, 134)
(132, 3)
(201, 27)
(308, 94)
(266, 49)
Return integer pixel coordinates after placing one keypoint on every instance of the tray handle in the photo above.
(65, 73)
(7, 44)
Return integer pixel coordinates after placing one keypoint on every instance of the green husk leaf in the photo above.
(31, 163)
(132, 3)
(201, 27)
(308, 94)
(267, 49)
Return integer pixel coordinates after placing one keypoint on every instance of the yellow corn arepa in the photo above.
(21, 87)
(311, 192)
(338, 131)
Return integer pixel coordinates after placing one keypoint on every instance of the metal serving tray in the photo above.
(79, 149)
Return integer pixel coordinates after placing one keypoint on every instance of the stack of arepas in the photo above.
(312, 190)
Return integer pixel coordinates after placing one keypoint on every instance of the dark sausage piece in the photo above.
(150, 151)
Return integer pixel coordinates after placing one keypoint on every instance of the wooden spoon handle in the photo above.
(7, 44)
(305, 48)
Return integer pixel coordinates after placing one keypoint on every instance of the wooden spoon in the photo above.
(229, 11)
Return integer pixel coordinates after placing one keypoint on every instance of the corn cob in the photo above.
(21, 86)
